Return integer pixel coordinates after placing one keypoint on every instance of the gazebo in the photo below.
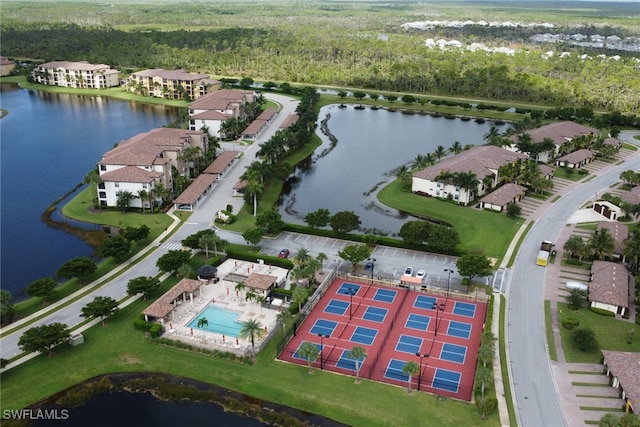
(207, 272)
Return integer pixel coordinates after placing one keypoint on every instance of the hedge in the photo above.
(570, 323)
(602, 311)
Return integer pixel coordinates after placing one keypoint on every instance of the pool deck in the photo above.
(223, 293)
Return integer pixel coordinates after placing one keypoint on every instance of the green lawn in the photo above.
(119, 348)
(490, 232)
(611, 334)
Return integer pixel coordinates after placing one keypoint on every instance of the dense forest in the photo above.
(349, 44)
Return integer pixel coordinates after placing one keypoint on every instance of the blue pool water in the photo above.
(221, 321)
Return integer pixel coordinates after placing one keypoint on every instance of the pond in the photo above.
(370, 145)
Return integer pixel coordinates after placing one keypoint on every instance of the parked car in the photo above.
(408, 271)
(368, 266)
(420, 274)
(284, 253)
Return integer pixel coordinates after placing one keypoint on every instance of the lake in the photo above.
(49, 142)
(371, 146)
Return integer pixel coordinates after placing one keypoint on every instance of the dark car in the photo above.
(284, 253)
(368, 266)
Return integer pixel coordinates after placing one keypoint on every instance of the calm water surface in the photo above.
(371, 146)
(49, 142)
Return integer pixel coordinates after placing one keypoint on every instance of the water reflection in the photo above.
(361, 152)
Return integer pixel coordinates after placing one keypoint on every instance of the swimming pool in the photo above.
(221, 321)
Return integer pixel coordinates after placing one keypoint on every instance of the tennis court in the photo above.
(394, 326)
(459, 329)
(336, 307)
(453, 352)
(375, 314)
(464, 309)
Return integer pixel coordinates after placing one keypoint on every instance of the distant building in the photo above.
(212, 109)
(171, 84)
(6, 66)
(76, 75)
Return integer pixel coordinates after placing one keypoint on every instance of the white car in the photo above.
(420, 274)
(408, 271)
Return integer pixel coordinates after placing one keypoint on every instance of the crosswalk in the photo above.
(172, 246)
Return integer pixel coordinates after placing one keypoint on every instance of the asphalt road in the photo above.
(536, 393)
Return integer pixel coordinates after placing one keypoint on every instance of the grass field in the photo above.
(478, 230)
(610, 332)
(119, 348)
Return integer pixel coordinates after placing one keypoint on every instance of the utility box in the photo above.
(76, 339)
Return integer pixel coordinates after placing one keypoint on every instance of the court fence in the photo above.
(313, 300)
(477, 295)
(334, 361)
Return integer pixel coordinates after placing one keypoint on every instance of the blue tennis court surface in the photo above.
(459, 329)
(394, 370)
(453, 353)
(385, 295)
(423, 301)
(346, 363)
(348, 289)
(297, 354)
(364, 335)
(446, 380)
(464, 309)
(418, 321)
(375, 314)
(409, 344)
(336, 307)
(323, 327)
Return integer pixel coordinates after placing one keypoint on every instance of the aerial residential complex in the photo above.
(145, 162)
(212, 109)
(76, 75)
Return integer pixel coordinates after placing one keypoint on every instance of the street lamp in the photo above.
(351, 292)
(373, 264)
(421, 356)
(438, 309)
(448, 270)
(321, 347)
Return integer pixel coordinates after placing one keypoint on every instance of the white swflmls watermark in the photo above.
(35, 414)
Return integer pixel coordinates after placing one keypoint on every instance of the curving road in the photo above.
(536, 394)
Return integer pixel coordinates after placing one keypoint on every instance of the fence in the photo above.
(302, 315)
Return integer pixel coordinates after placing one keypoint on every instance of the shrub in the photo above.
(570, 323)
(602, 311)
(142, 325)
(155, 330)
(584, 339)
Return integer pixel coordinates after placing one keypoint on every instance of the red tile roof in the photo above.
(559, 132)
(619, 232)
(626, 367)
(480, 160)
(290, 120)
(260, 281)
(504, 195)
(130, 174)
(577, 156)
(75, 66)
(171, 74)
(224, 99)
(164, 305)
(192, 193)
(220, 164)
(609, 283)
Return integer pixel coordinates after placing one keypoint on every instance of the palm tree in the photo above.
(525, 144)
(240, 287)
(202, 323)
(206, 241)
(93, 178)
(403, 174)
(573, 245)
(602, 244)
(358, 354)
(485, 377)
(283, 317)
(250, 296)
(185, 271)
(492, 136)
(299, 294)
(252, 329)
(309, 351)
(301, 258)
(485, 355)
(410, 368)
(440, 152)
(631, 250)
(253, 189)
(260, 299)
(467, 181)
(142, 195)
(456, 147)
(322, 257)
